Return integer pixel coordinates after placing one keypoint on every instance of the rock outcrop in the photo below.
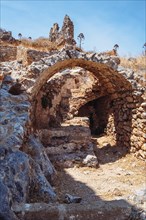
(25, 169)
(54, 32)
(6, 36)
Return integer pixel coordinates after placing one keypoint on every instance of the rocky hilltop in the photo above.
(52, 105)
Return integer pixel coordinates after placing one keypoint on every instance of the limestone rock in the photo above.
(143, 147)
(6, 35)
(90, 161)
(20, 174)
(143, 105)
(72, 199)
(144, 115)
(16, 89)
(36, 150)
(67, 30)
(5, 204)
(54, 32)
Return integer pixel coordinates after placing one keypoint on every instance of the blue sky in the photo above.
(103, 22)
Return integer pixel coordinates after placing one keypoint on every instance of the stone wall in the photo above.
(7, 53)
(27, 56)
(138, 136)
(121, 87)
(127, 122)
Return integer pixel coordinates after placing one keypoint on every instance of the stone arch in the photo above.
(66, 92)
(116, 85)
(109, 78)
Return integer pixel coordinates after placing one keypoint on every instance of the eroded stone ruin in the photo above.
(66, 35)
(67, 97)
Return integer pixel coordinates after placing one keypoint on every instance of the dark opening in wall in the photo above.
(46, 102)
(98, 112)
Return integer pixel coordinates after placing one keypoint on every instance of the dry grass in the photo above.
(42, 44)
(137, 63)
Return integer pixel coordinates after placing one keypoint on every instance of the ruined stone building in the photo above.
(65, 35)
(67, 97)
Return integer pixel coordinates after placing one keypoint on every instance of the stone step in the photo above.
(72, 131)
(101, 210)
(64, 136)
(69, 143)
(81, 121)
(62, 148)
(65, 132)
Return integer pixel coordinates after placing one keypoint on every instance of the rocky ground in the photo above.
(118, 177)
